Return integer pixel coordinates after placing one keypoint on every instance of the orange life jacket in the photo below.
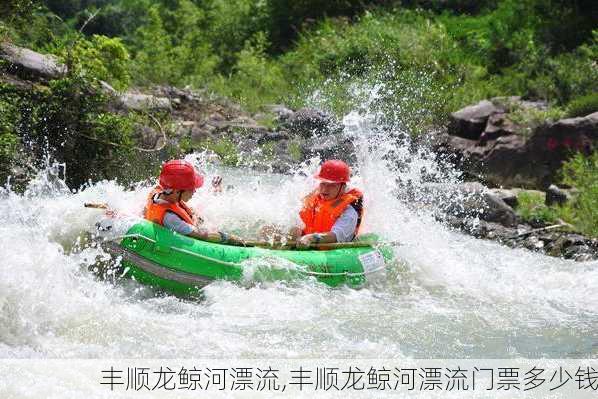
(155, 211)
(319, 215)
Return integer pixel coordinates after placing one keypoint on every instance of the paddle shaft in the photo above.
(96, 205)
(293, 245)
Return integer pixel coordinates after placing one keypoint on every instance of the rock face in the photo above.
(501, 154)
(475, 210)
(30, 64)
(282, 113)
(470, 122)
(470, 200)
(556, 196)
(140, 102)
(308, 122)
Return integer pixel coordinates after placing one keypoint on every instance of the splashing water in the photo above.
(448, 296)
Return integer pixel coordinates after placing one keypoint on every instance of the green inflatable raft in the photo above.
(182, 265)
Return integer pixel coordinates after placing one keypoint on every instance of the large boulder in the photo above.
(556, 196)
(143, 102)
(516, 159)
(30, 64)
(332, 146)
(468, 200)
(470, 122)
(282, 113)
(552, 144)
(498, 125)
(308, 122)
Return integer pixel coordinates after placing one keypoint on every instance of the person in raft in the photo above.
(332, 212)
(167, 203)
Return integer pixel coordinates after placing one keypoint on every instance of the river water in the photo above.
(447, 296)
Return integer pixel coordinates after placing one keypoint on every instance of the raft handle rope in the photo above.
(231, 264)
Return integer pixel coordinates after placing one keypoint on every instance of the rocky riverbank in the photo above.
(517, 148)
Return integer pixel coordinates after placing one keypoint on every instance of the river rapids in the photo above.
(447, 296)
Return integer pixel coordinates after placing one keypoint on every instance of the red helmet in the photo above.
(180, 175)
(334, 171)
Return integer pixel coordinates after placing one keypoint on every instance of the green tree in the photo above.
(581, 172)
(102, 58)
(153, 63)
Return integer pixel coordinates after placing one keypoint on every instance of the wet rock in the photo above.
(470, 122)
(282, 113)
(479, 200)
(508, 196)
(579, 252)
(273, 136)
(468, 200)
(556, 196)
(558, 247)
(534, 243)
(308, 122)
(330, 147)
(141, 102)
(31, 64)
(498, 125)
(497, 210)
(148, 138)
(492, 231)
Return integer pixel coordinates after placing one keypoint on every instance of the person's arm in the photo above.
(315, 239)
(216, 236)
(343, 230)
(173, 222)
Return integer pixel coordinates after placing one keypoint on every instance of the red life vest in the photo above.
(319, 215)
(155, 212)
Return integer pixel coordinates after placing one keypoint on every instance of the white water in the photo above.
(449, 296)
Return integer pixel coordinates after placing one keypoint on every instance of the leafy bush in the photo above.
(583, 106)
(8, 138)
(225, 149)
(531, 207)
(101, 58)
(68, 121)
(581, 172)
(255, 80)
(530, 118)
(182, 57)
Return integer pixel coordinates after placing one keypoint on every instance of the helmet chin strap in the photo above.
(340, 189)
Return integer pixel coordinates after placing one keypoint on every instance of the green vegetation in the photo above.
(295, 151)
(581, 172)
(531, 207)
(430, 56)
(583, 106)
(225, 149)
(68, 120)
(531, 118)
(99, 58)
(422, 58)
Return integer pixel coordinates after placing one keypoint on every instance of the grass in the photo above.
(531, 208)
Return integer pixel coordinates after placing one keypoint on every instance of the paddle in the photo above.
(267, 244)
(293, 245)
(96, 205)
